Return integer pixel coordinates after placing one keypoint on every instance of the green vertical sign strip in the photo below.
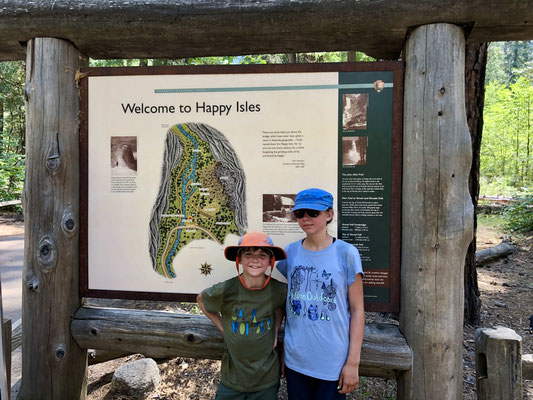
(364, 174)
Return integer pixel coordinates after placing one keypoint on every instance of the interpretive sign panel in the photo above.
(178, 162)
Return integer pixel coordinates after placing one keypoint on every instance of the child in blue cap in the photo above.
(248, 309)
(325, 309)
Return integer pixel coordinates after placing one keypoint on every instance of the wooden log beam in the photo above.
(10, 203)
(162, 334)
(437, 211)
(183, 28)
(53, 365)
(498, 364)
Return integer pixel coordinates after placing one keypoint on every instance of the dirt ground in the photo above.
(506, 289)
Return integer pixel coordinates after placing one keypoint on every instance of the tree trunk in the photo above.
(475, 67)
(437, 211)
(53, 365)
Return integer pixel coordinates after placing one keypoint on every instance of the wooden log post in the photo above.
(53, 365)
(498, 364)
(527, 367)
(437, 211)
(6, 354)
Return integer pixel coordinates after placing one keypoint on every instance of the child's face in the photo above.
(317, 224)
(254, 261)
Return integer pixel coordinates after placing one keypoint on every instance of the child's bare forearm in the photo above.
(278, 317)
(357, 321)
(357, 328)
(349, 378)
(214, 317)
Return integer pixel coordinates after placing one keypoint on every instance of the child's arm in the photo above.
(278, 318)
(349, 378)
(214, 317)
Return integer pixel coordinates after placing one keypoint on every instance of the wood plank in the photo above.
(181, 28)
(385, 352)
(55, 364)
(437, 211)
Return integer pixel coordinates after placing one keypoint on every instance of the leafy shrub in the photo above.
(11, 176)
(519, 215)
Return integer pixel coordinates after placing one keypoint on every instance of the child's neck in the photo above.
(254, 282)
(318, 241)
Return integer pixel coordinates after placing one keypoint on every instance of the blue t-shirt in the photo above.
(317, 331)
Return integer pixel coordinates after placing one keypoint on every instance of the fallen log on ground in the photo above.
(487, 255)
(158, 334)
(490, 208)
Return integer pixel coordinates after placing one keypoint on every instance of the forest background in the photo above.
(506, 148)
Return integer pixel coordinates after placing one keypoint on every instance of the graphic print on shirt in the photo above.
(245, 324)
(312, 294)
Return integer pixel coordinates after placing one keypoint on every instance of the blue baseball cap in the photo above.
(313, 199)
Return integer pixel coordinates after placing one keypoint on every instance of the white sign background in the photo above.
(118, 223)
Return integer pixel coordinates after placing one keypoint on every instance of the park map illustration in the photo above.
(201, 194)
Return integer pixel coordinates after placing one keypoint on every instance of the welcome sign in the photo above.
(178, 162)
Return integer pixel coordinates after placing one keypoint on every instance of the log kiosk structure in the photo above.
(55, 38)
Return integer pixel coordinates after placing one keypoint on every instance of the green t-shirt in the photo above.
(249, 362)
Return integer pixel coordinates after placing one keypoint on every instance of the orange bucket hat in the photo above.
(255, 239)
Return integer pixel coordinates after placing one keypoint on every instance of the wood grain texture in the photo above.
(6, 352)
(498, 364)
(183, 28)
(162, 334)
(51, 358)
(527, 366)
(16, 335)
(437, 211)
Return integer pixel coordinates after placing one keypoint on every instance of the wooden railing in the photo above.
(385, 352)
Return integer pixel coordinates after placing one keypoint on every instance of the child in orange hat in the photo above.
(248, 310)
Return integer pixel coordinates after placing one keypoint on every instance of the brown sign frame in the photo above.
(397, 69)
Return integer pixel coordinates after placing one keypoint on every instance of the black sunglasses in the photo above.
(302, 211)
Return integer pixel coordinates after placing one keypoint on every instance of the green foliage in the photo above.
(508, 61)
(507, 146)
(12, 112)
(11, 176)
(12, 130)
(519, 216)
(493, 221)
(316, 57)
